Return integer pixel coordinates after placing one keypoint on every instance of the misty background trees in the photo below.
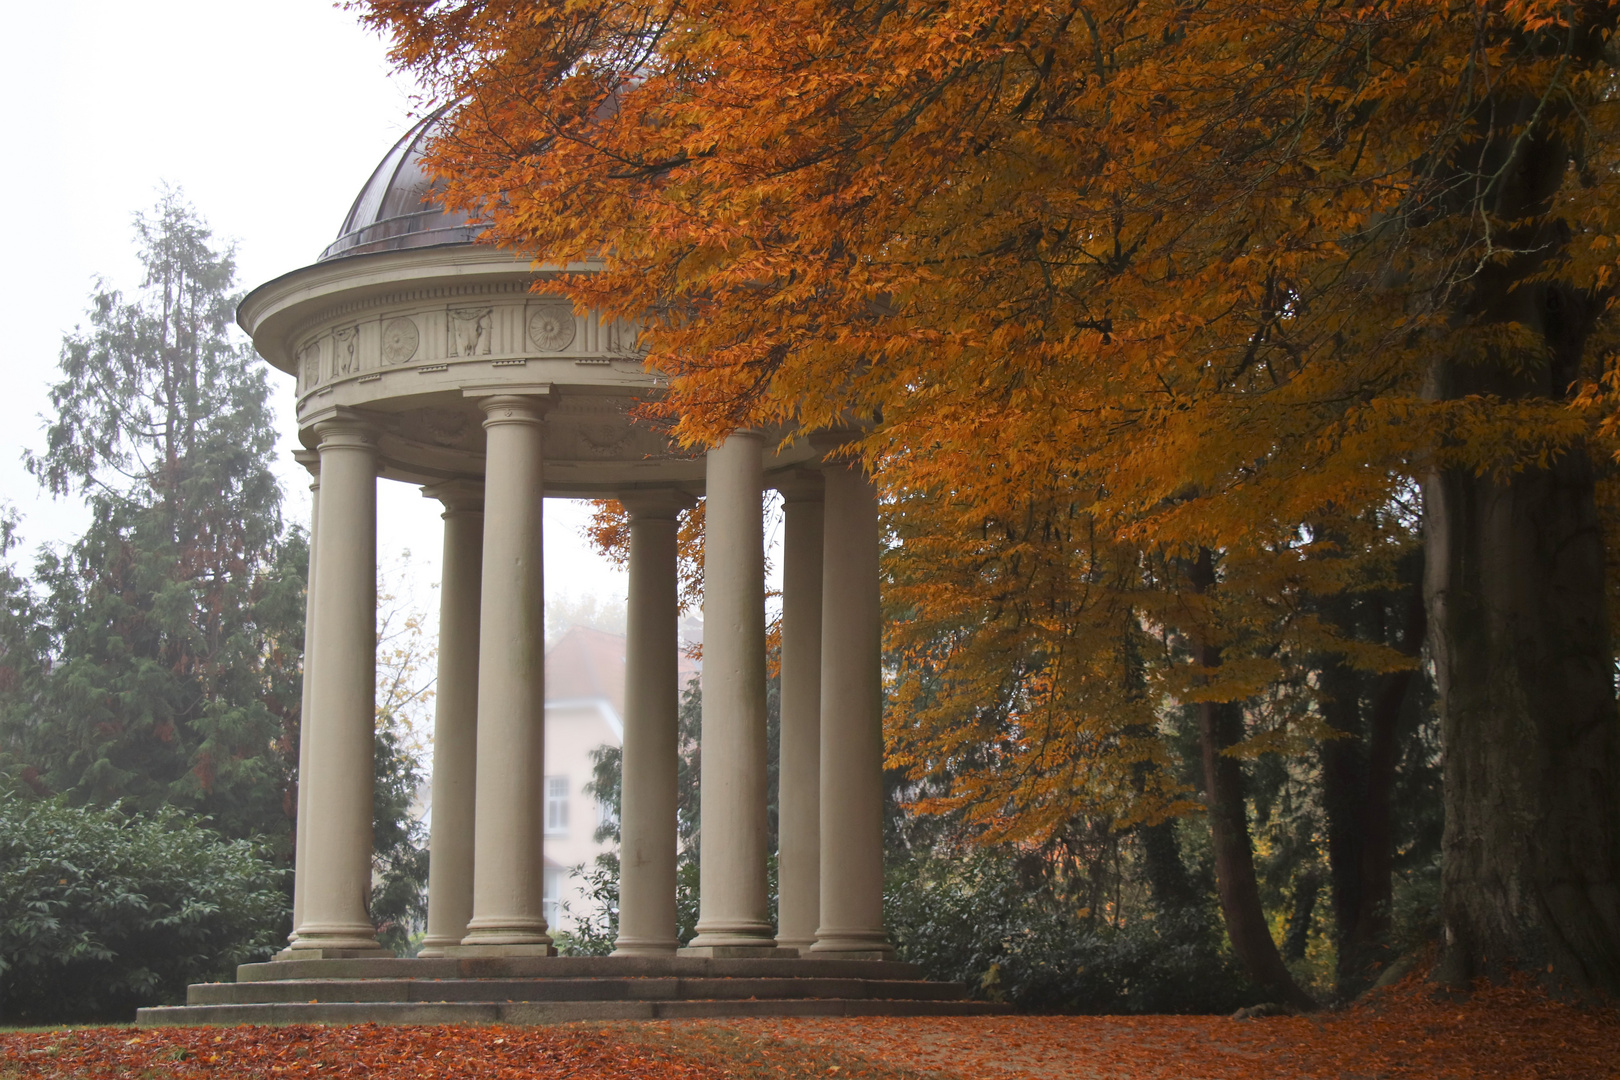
(150, 670)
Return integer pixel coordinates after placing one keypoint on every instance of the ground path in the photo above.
(1506, 1033)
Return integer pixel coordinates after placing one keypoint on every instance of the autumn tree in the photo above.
(1234, 277)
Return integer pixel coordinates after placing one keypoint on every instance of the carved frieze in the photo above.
(622, 338)
(346, 351)
(400, 339)
(309, 363)
(472, 331)
(551, 328)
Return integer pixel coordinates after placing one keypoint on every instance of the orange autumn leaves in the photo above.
(1107, 283)
(1406, 1033)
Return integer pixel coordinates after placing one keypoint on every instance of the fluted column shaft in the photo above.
(338, 840)
(733, 905)
(455, 719)
(508, 911)
(798, 862)
(310, 460)
(851, 722)
(651, 700)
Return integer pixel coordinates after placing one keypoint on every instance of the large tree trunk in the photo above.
(1515, 587)
(1532, 781)
(1220, 726)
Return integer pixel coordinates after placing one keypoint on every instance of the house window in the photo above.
(556, 804)
(551, 895)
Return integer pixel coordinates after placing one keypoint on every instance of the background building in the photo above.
(584, 711)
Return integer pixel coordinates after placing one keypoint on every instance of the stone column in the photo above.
(455, 717)
(851, 723)
(651, 700)
(310, 460)
(798, 860)
(508, 914)
(338, 841)
(733, 913)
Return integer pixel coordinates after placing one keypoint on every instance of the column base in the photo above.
(296, 952)
(433, 947)
(628, 946)
(332, 943)
(513, 932)
(799, 945)
(513, 949)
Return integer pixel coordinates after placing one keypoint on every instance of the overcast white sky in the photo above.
(270, 117)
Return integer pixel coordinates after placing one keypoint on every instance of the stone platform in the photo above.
(549, 990)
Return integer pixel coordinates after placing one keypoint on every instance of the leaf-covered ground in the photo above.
(1503, 1032)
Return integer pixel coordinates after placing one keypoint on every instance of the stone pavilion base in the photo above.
(549, 990)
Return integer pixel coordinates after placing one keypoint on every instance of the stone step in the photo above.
(601, 988)
(530, 967)
(546, 1012)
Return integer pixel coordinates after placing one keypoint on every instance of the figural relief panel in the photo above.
(400, 339)
(472, 331)
(346, 351)
(551, 328)
(309, 364)
(622, 338)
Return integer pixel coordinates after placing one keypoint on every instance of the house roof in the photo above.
(585, 667)
(586, 664)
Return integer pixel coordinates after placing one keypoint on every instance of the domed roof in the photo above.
(398, 208)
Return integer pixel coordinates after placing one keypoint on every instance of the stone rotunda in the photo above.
(424, 358)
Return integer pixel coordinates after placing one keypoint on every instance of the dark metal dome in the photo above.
(398, 208)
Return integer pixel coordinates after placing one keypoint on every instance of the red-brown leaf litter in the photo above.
(1409, 1032)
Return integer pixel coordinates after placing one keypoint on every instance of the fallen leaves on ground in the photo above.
(1410, 1032)
(369, 1050)
(1406, 1033)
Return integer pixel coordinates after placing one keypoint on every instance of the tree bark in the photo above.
(1521, 646)
(1220, 726)
(1517, 614)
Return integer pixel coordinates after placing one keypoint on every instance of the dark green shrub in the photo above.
(102, 912)
(973, 920)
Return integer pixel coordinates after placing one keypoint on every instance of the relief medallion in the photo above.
(399, 341)
(552, 328)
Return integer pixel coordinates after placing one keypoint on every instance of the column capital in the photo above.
(458, 496)
(662, 504)
(744, 432)
(835, 438)
(311, 461)
(514, 408)
(799, 485)
(340, 427)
